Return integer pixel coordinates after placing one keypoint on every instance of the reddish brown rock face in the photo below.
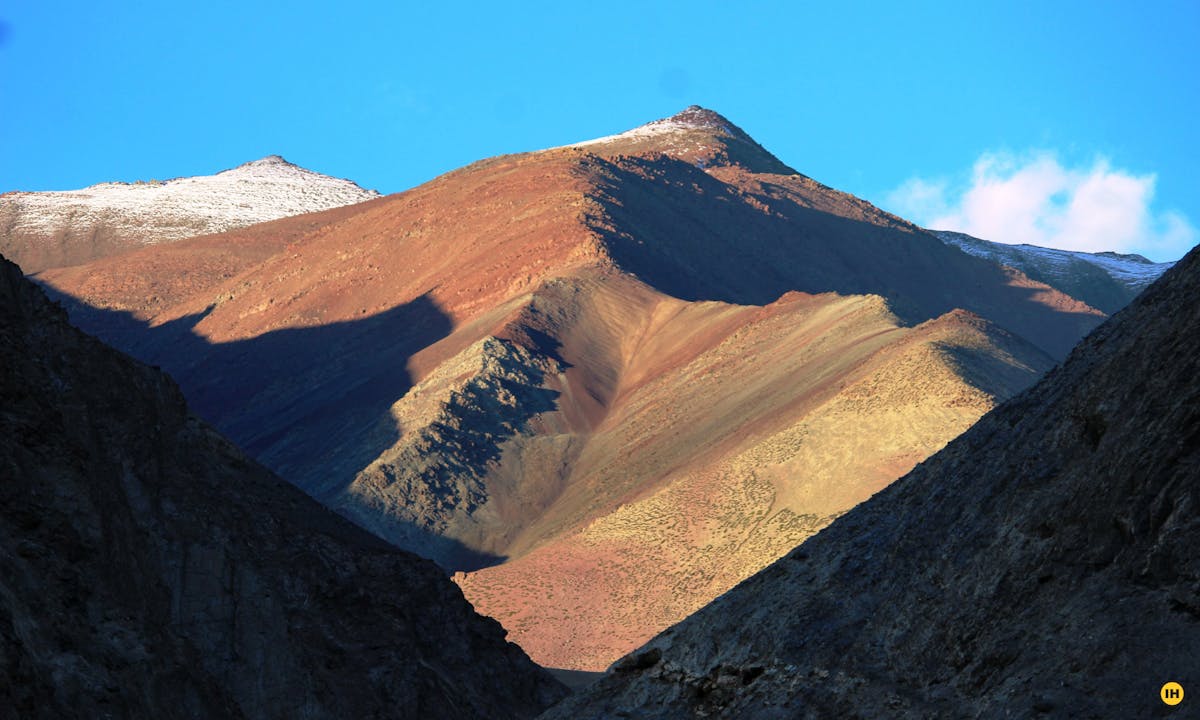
(609, 380)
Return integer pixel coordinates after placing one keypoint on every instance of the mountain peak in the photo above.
(269, 162)
(692, 118)
(127, 215)
(696, 135)
(700, 117)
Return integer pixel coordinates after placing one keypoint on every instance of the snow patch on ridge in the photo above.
(1133, 271)
(692, 118)
(649, 130)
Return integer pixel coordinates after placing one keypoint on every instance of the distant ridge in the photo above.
(1105, 280)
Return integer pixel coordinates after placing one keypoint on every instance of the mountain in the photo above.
(1041, 565)
(602, 383)
(1107, 281)
(149, 569)
(39, 230)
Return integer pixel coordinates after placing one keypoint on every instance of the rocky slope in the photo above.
(725, 453)
(606, 381)
(39, 230)
(1041, 565)
(1106, 281)
(149, 569)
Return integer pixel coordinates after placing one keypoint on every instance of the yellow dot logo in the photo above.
(1171, 693)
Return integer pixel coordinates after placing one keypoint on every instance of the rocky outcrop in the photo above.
(149, 569)
(427, 491)
(1041, 565)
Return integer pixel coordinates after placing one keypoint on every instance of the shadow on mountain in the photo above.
(150, 570)
(695, 237)
(310, 403)
(451, 554)
(994, 374)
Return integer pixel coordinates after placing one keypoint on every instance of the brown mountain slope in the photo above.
(727, 234)
(1041, 565)
(490, 363)
(149, 569)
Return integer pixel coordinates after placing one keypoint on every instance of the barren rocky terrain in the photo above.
(720, 456)
(602, 382)
(1042, 565)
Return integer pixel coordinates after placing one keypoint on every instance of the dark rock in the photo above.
(149, 569)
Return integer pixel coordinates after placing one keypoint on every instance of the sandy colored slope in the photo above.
(1043, 564)
(150, 280)
(697, 480)
(467, 239)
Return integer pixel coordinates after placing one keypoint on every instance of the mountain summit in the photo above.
(698, 135)
(691, 118)
(50, 229)
(268, 161)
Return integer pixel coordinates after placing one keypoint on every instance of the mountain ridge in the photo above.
(1107, 281)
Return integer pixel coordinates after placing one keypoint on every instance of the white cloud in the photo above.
(1032, 198)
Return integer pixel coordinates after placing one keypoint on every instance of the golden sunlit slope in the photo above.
(664, 347)
(734, 433)
(1043, 564)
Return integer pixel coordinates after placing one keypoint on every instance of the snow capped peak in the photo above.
(695, 116)
(689, 119)
(1131, 257)
(154, 211)
(271, 166)
(695, 135)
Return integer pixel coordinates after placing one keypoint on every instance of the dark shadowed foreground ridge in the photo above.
(1042, 565)
(148, 569)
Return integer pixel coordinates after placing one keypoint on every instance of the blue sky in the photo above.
(1018, 118)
